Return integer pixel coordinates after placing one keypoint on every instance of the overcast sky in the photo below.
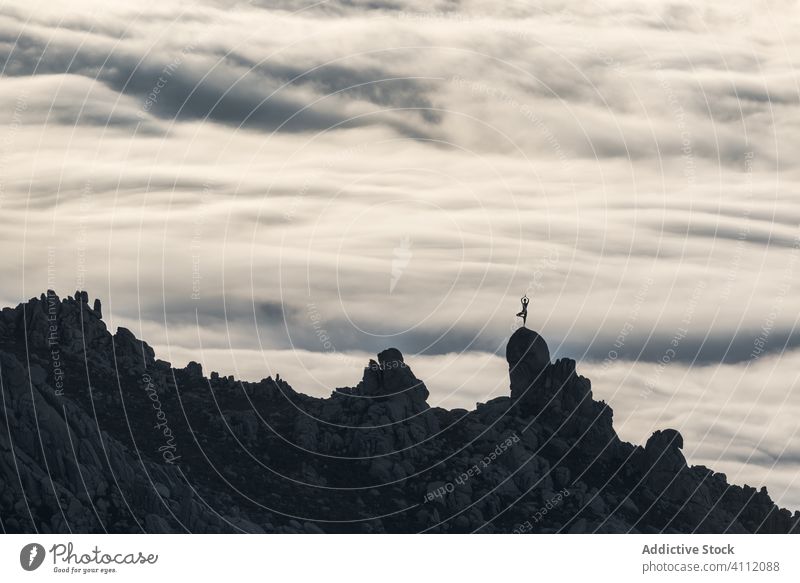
(292, 186)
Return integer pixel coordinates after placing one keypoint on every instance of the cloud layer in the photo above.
(304, 181)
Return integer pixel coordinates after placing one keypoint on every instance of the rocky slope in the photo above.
(98, 435)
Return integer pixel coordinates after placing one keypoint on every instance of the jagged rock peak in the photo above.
(528, 346)
(390, 377)
(663, 449)
(665, 439)
(528, 359)
(390, 356)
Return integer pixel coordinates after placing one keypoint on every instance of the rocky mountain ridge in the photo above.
(98, 435)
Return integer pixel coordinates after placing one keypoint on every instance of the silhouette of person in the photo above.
(524, 313)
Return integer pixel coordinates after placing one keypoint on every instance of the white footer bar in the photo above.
(398, 558)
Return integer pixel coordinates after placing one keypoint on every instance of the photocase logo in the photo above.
(31, 556)
(401, 257)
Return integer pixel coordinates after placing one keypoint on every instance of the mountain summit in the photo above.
(99, 435)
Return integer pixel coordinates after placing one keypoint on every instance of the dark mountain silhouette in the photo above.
(98, 435)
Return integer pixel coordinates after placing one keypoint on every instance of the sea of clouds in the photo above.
(290, 187)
